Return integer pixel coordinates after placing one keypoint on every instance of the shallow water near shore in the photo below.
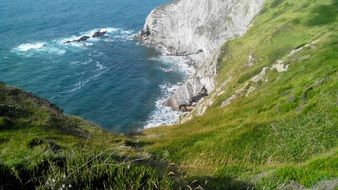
(112, 80)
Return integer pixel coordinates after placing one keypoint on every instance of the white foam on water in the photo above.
(54, 50)
(29, 46)
(81, 62)
(77, 86)
(123, 35)
(108, 30)
(99, 66)
(80, 84)
(108, 40)
(163, 115)
(28, 49)
(59, 47)
(115, 33)
(175, 64)
(100, 69)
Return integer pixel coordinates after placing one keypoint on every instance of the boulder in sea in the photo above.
(81, 39)
(98, 34)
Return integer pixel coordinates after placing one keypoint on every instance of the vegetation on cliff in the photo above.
(273, 121)
(42, 148)
(274, 118)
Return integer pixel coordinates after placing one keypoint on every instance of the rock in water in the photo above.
(82, 39)
(145, 32)
(197, 26)
(99, 34)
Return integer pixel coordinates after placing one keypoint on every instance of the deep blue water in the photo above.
(113, 81)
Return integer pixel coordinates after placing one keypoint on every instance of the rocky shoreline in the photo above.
(196, 30)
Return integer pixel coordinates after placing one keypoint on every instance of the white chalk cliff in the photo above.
(196, 29)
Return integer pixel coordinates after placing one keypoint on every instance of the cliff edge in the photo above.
(195, 30)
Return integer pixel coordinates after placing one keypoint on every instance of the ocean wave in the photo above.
(112, 34)
(28, 49)
(163, 115)
(99, 66)
(108, 30)
(59, 47)
(82, 83)
(174, 64)
(81, 62)
(54, 50)
(77, 86)
(30, 46)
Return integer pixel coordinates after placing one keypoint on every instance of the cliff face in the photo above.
(196, 29)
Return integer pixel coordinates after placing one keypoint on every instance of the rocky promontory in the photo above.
(196, 29)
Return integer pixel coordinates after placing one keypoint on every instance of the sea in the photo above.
(114, 80)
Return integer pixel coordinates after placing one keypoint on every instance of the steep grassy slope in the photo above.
(273, 121)
(42, 148)
(274, 116)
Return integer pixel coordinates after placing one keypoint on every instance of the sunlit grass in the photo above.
(289, 119)
(40, 148)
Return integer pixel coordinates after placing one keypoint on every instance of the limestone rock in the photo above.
(197, 29)
(279, 66)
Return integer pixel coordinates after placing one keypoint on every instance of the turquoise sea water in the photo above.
(113, 81)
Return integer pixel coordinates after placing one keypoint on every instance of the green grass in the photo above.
(42, 148)
(309, 173)
(290, 119)
(284, 131)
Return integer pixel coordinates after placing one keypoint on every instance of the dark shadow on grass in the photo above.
(8, 180)
(6, 124)
(137, 144)
(107, 172)
(323, 14)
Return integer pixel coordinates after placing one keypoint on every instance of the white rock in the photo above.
(280, 67)
(260, 76)
(197, 28)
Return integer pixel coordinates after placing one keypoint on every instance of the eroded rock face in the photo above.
(197, 29)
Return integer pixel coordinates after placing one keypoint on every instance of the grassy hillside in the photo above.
(42, 148)
(278, 125)
(273, 122)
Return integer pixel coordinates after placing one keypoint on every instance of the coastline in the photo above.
(164, 115)
(196, 33)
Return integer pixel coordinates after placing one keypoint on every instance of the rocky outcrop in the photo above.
(81, 39)
(197, 29)
(279, 66)
(96, 34)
